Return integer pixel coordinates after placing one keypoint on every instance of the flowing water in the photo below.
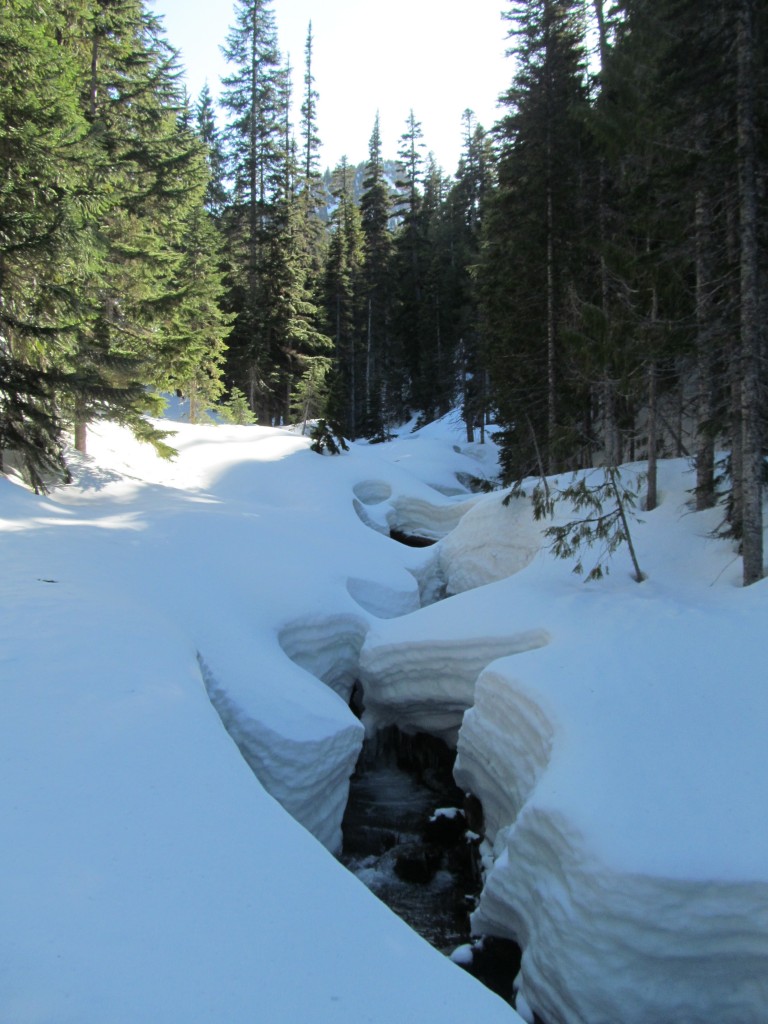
(407, 838)
(390, 845)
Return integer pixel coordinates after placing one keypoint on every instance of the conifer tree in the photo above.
(532, 247)
(42, 208)
(375, 212)
(311, 188)
(466, 202)
(148, 169)
(344, 267)
(101, 313)
(256, 161)
(403, 366)
(216, 196)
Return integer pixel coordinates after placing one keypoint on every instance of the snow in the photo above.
(178, 646)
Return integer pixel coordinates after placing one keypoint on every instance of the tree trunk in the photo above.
(602, 37)
(752, 468)
(81, 436)
(610, 427)
(705, 442)
(651, 498)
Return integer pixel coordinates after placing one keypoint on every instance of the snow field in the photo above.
(613, 731)
(146, 873)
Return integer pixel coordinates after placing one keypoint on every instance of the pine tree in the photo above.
(714, 68)
(533, 232)
(375, 212)
(42, 208)
(216, 195)
(753, 469)
(252, 96)
(309, 135)
(343, 274)
(403, 366)
(311, 187)
(149, 170)
(466, 202)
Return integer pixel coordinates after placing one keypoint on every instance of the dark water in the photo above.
(389, 842)
(408, 838)
(383, 827)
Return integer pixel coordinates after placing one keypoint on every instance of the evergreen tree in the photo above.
(311, 187)
(94, 304)
(42, 208)
(343, 275)
(148, 170)
(403, 366)
(712, 76)
(534, 233)
(466, 209)
(432, 387)
(375, 212)
(216, 196)
(309, 136)
(256, 155)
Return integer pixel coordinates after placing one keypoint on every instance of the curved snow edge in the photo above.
(592, 936)
(309, 777)
(427, 685)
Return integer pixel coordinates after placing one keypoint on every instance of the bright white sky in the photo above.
(433, 56)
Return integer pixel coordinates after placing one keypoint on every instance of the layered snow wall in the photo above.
(622, 852)
(624, 856)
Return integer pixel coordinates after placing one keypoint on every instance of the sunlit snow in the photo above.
(177, 649)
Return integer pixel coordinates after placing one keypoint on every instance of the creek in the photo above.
(408, 837)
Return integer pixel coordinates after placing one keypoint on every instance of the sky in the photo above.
(152, 613)
(434, 57)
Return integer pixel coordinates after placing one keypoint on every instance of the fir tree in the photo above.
(256, 156)
(466, 210)
(216, 195)
(403, 369)
(343, 282)
(534, 233)
(377, 287)
(42, 208)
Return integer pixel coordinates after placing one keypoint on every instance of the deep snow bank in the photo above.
(145, 874)
(621, 770)
(619, 756)
(491, 542)
(425, 684)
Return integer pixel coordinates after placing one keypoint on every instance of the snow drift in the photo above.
(614, 732)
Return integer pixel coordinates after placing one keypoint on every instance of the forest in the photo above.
(591, 278)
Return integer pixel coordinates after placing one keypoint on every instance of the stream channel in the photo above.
(408, 837)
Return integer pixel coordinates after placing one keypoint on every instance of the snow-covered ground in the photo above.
(155, 612)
